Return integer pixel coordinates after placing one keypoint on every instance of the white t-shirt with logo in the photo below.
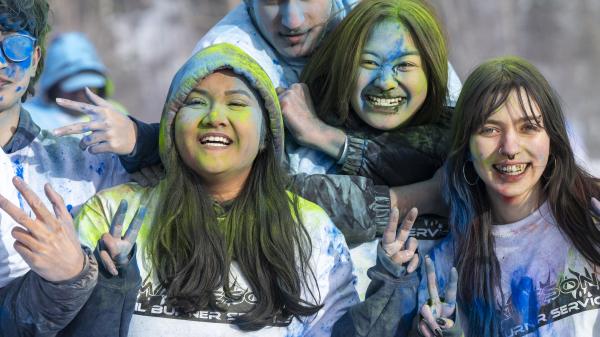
(549, 288)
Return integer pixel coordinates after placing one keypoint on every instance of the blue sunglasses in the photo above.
(18, 47)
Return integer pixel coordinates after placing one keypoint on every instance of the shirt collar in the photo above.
(26, 132)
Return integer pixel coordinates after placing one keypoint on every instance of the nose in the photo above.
(292, 15)
(385, 79)
(216, 118)
(510, 144)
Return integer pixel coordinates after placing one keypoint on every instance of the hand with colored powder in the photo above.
(399, 247)
(437, 313)
(303, 123)
(48, 243)
(111, 130)
(115, 250)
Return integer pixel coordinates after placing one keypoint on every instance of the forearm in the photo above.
(389, 308)
(38, 307)
(357, 207)
(426, 196)
(145, 152)
(327, 139)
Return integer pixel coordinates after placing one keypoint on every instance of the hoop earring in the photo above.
(465, 176)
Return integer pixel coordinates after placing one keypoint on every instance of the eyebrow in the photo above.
(402, 53)
(520, 120)
(227, 93)
(237, 92)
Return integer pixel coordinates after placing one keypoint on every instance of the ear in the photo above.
(35, 59)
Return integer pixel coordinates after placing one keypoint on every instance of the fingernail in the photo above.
(113, 270)
(441, 321)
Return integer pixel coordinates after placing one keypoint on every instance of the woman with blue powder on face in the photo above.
(525, 238)
(380, 81)
(224, 247)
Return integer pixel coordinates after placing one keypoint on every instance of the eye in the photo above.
(531, 127)
(200, 101)
(403, 67)
(369, 64)
(238, 103)
(488, 131)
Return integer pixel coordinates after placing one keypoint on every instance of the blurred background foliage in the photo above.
(143, 43)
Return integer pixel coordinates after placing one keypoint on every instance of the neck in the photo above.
(225, 187)
(9, 120)
(512, 209)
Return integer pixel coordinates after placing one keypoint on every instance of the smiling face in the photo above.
(293, 27)
(510, 152)
(391, 85)
(218, 130)
(15, 76)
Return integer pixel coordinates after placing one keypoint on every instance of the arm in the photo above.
(357, 207)
(62, 275)
(113, 299)
(391, 299)
(32, 305)
(145, 151)
(334, 276)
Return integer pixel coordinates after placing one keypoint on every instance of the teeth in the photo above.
(215, 140)
(513, 170)
(385, 102)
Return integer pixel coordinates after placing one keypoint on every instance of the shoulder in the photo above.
(235, 28)
(323, 233)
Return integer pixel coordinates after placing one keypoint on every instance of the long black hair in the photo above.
(191, 246)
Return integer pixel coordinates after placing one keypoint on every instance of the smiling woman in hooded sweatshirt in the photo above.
(224, 247)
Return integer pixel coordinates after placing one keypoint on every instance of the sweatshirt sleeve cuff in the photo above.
(354, 157)
(145, 151)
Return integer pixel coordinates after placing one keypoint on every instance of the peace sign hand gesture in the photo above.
(399, 247)
(111, 130)
(436, 314)
(47, 242)
(115, 249)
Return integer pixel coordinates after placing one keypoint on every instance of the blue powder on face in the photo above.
(19, 89)
(1, 98)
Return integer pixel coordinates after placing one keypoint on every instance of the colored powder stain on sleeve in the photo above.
(19, 173)
(100, 170)
(70, 210)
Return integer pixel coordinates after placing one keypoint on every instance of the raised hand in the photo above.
(303, 123)
(399, 247)
(111, 130)
(436, 314)
(115, 249)
(48, 243)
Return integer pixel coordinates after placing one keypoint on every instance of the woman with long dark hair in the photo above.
(224, 247)
(524, 221)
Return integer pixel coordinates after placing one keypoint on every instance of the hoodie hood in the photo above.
(205, 62)
(67, 55)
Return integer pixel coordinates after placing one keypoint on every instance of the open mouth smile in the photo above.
(384, 102)
(215, 140)
(510, 169)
